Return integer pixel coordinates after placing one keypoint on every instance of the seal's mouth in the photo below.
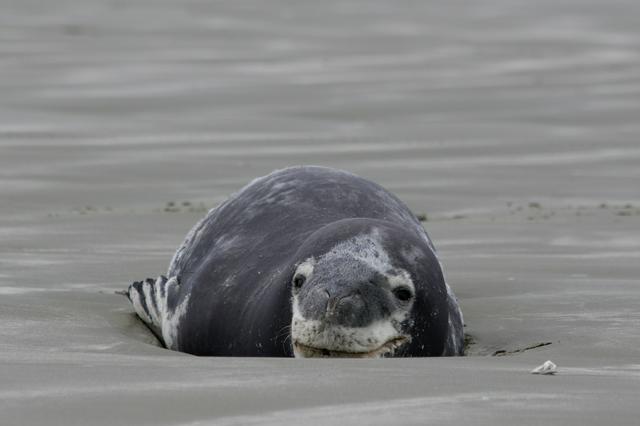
(387, 349)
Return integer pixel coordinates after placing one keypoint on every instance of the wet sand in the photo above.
(513, 126)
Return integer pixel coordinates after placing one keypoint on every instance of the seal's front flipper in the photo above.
(150, 301)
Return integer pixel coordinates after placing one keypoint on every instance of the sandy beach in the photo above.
(512, 126)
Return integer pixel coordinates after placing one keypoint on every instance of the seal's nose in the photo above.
(344, 308)
(349, 295)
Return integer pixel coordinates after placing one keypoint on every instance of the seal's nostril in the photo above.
(341, 306)
(332, 304)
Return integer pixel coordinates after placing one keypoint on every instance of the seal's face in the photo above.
(351, 302)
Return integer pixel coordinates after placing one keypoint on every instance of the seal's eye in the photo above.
(402, 293)
(298, 281)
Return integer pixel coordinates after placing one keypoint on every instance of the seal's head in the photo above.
(367, 288)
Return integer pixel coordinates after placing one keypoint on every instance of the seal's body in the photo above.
(307, 261)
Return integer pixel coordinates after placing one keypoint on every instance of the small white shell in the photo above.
(547, 368)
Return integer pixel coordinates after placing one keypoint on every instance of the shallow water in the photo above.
(513, 125)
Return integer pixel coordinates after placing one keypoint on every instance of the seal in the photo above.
(308, 262)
